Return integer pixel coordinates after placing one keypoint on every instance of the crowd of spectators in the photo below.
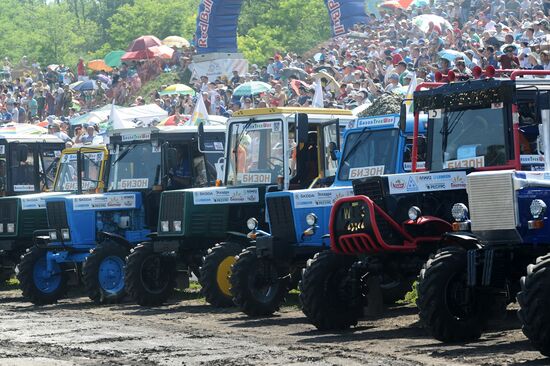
(383, 55)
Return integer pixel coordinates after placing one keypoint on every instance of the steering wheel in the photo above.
(269, 161)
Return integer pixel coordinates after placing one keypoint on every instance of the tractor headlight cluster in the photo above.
(459, 212)
(414, 213)
(1, 228)
(10, 228)
(252, 224)
(164, 226)
(53, 235)
(311, 219)
(177, 225)
(65, 234)
(537, 208)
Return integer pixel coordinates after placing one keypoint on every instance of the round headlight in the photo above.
(252, 223)
(537, 208)
(459, 212)
(311, 219)
(414, 213)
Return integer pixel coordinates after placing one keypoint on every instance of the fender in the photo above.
(101, 236)
(237, 237)
(436, 224)
(463, 240)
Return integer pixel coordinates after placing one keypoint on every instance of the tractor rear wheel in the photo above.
(534, 301)
(448, 308)
(150, 277)
(215, 272)
(258, 286)
(103, 273)
(39, 285)
(326, 292)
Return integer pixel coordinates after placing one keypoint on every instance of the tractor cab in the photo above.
(27, 163)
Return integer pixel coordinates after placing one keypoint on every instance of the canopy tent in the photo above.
(143, 113)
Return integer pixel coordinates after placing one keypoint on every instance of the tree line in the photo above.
(61, 31)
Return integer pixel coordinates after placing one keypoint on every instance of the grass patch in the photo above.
(167, 78)
(411, 296)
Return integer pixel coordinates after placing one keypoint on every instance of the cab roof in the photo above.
(292, 110)
(167, 130)
(29, 138)
(75, 149)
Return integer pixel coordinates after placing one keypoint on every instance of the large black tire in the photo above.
(258, 286)
(103, 273)
(442, 306)
(325, 292)
(534, 301)
(32, 267)
(215, 273)
(150, 277)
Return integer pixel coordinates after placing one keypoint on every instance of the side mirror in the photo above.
(171, 156)
(201, 138)
(333, 150)
(22, 152)
(302, 126)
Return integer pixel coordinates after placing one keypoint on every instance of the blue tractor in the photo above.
(263, 273)
(90, 236)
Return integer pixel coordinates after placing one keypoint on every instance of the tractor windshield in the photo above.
(135, 166)
(255, 153)
(471, 138)
(67, 179)
(369, 153)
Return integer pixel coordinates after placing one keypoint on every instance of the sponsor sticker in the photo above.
(155, 149)
(390, 120)
(218, 146)
(28, 203)
(434, 113)
(320, 198)
(106, 201)
(23, 188)
(73, 185)
(419, 165)
(138, 183)
(136, 136)
(532, 159)
(477, 162)
(226, 196)
(260, 178)
(370, 171)
(426, 182)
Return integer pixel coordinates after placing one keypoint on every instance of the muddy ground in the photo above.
(189, 332)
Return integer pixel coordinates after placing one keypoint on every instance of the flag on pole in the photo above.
(410, 93)
(318, 97)
(200, 114)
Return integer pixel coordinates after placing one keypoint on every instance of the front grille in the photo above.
(207, 222)
(57, 215)
(370, 187)
(281, 218)
(171, 207)
(491, 201)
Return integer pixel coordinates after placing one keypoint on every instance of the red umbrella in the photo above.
(143, 43)
(138, 55)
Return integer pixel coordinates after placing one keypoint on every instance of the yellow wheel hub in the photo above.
(224, 271)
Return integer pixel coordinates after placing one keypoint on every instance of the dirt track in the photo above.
(190, 332)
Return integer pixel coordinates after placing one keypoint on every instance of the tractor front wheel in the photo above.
(150, 277)
(40, 285)
(258, 286)
(103, 273)
(448, 308)
(534, 301)
(326, 294)
(216, 271)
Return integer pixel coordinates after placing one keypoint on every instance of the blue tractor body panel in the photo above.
(118, 213)
(524, 198)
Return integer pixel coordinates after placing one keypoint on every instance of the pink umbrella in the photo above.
(143, 43)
